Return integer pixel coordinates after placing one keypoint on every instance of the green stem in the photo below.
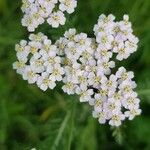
(71, 125)
(60, 132)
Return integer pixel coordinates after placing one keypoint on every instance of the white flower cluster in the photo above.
(115, 37)
(78, 63)
(85, 66)
(88, 66)
(116, 99)
(38, 61)
(37, 11)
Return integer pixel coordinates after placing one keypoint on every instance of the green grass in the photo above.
(53, 120)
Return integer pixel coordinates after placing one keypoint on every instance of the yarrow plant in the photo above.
(85, 65)
(36, 12)
(89, 68)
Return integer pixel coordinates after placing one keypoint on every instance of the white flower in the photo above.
(112, 106)
(91, 67)
(49, 4)
(85, 95)
(87, 55)
(116, 119)
(106, 19)
(104, 24)
(30, 75)
(34, 46)
(105, 66)
(19, 66)
(26, 5)
(95, 79)
(36, 63)
(82, 41)
(61, 43)
(72, 52)
(132, 113)
(56, 19)
(127, 87)
(117, 96)
(68, 5)
(131, 101)
(101, 115)
(122, 52)
(70, 34)
(44, 82)
(32, 21)
(50, 61)
(105, 40)
(103, 53)
(56, 73)
(98, 102)
(69, 88)
(123, 75)
(22, 50)
(82, 80)
(109, 84)
(39, 37)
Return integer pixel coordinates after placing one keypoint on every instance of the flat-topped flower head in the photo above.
(39, 62)
(115, 101)
(116, 36)
(88, 71)
(36, 12)
(85, 65)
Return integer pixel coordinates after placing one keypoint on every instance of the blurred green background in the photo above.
(53, 120)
